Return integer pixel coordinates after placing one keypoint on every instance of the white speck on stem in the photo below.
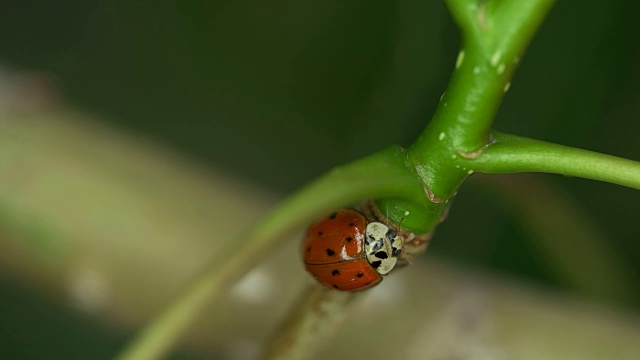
(463, 119)
(507, 86)
(406, 213)
(460, 59)
(453, 156)
(495, 59)
(441, 136)
(457, 166)
(500, 69)
(442, 96)
(476, 70)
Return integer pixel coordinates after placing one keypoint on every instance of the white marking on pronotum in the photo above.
(460, 59)
(495, 59)
(378, 232)
(406, 213)
(470, 172)
(500, 69)
(507, 86)
(441, 136)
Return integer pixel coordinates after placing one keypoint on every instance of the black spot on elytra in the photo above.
(369, 239)
(349, 239)
(360, 274)
(335, 272)
(330, 252)
(391, 234)
(332, 216)
(376, 264)
(320, 233)
(336, 286)
(377, 246)
(382, 255)
(396, 252)
(309, 249)
(352, 225)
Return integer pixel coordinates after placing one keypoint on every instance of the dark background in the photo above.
(279, 92)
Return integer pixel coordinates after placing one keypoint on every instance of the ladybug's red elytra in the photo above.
(346, 252)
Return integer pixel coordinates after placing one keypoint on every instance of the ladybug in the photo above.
(347, 252)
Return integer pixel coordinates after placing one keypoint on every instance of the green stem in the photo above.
(495, 36)
(512, 154)
(384, 174)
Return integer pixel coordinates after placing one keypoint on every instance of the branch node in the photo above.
(432, 196)
(474, 154)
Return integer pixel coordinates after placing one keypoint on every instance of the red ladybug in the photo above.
(346, 252)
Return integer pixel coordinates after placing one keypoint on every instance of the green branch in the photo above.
(495, 36)
(512, 154)
(413, 187)
(384, 174)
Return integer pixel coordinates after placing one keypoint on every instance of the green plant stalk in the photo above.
(512, 154)
(384, 174)
(414, 186)
(495, 35)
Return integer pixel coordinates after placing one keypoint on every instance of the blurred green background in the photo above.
(278, 92)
